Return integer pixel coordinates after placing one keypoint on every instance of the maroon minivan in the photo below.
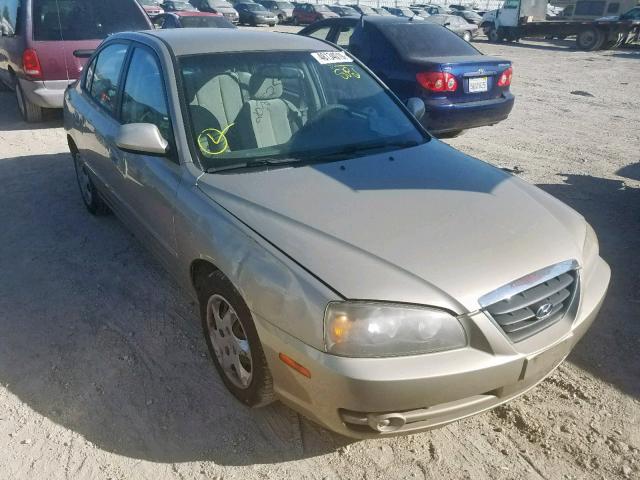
(38, 39)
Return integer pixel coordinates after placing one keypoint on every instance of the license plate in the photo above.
(477, 84)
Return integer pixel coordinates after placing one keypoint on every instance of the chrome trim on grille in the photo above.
(526, 282)
(533, 303)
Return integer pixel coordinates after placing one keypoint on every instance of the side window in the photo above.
(321, 33)
(106, 74)
(9, 17)
(88, 77)
(345, 36)
(159, 21)
(144, 98)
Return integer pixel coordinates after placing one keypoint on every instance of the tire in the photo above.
(494, 36)
(31, 113)
(233, 342)
(590, 39)
(280, 19)
(466, 36)
(90, 196)
(296, 22)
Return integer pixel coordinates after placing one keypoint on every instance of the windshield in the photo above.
(85, 19)
(205, 22)
(219, 4)
(150, 3)
(181, 6)
(422, 39)
(321, 8)
(288, 106)
(284, 5)
(254, 7)
(367, 10)
(349, 11)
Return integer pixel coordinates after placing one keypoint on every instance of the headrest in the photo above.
(265, 88)
(266, 83)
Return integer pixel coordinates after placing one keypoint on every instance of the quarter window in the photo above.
(144, 99)
(106, 74)
(345, 35)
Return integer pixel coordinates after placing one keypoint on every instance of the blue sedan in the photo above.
(461, 87)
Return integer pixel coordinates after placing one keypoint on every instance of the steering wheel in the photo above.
(329, 110)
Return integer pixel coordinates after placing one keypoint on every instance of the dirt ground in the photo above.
(104, 374)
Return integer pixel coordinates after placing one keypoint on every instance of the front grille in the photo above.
(530, 311)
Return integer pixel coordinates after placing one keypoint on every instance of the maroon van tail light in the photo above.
(505, 78)
(437, 81)
(31, 63)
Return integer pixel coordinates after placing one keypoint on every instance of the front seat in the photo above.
(267, 119)
(217, 103)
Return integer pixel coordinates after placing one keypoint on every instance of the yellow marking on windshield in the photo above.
(212, 137)
(345, 71)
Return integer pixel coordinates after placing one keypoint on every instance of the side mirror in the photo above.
(446, 24)
(144, 138)
(416, 107)
(83, 53)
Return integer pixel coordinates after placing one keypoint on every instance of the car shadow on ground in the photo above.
(610, 350)
(11, 120)
(96, 337)
(536, 44)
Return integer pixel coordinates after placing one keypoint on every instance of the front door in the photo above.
(148, 183)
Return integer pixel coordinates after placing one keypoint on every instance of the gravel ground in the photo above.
(104, 374)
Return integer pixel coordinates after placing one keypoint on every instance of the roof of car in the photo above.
(194, 41)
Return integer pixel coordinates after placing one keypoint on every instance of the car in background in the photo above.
(364, 9)
(436, 9)
(255, 14)
(421, 12)
(217, 6)
(457, 25)
(305, 13)
(344, 10)
(177, 6)
(449, 288)
(282, 10)
(38, 42)
(469, 15)
(402, 12)
(461, 87)
(152, 7)
(383, 12)
(196, 19)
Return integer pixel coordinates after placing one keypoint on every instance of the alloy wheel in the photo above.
(229, 341)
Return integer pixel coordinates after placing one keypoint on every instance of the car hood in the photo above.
(427, 224)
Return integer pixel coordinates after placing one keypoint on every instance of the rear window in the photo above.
(85, 19)
(425, 40)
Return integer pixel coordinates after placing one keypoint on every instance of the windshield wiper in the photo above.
(255, 163)
(357, 148)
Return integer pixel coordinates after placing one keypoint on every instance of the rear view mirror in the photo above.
(144, 138)
(416, 107)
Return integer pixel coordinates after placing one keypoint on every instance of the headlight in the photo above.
(591, 248)
(367, 329)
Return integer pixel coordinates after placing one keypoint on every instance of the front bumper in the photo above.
(444, 116)
(46, 94)
(265, 20)
(373, 397)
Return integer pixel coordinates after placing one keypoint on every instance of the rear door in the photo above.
(147, 184)
(98, 117)
(59, 27)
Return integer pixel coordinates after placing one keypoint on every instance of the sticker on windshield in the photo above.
(326, 58)
(345, 72)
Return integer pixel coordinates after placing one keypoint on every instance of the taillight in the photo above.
(31, 63)
(437, 81)
(505, 77)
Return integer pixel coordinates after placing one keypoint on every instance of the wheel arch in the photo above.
(199, 271)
